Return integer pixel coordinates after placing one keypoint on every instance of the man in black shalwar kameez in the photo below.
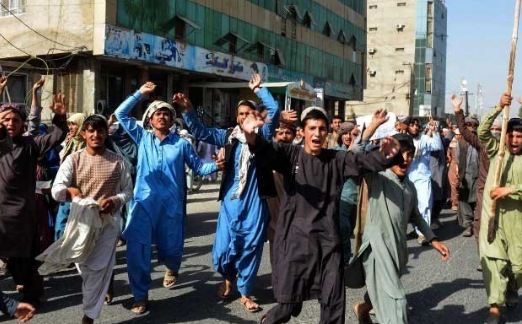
(307, 248)
(18, 221)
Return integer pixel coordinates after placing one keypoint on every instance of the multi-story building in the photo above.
(98, 52)
(406, 57)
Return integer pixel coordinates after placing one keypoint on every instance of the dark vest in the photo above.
(265, 180)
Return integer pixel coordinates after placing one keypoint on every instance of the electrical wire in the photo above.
(31, 56)
(35, 31)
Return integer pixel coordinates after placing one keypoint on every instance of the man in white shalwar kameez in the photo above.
(101, 175)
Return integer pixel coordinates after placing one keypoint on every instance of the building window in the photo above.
(372, 73)
(17, 89)
(353, 43)
(400, 27)
(352, 81)
(11, 7)
(341, 37)
(180, 30)
(372, 29)
(401, 4)
(181, 25)
(399, 49)
(399, 71)
(259, 49)
(372, 6)
(327, 30)
(232, 40)
(277, 58)
(307, 20)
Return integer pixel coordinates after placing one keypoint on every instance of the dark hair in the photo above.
(289, 126)
(406, 142)
(16, 109)
(97, 122)
(515, 124)
(314, 114)
(250, 103)
(337, 117)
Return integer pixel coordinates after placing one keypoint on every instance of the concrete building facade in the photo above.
(406, 57)
(98, 52)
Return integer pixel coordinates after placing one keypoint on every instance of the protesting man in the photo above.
(101, 175)
(335, 127)
(18, 218)
(419, 171)
(383, 253)
(469, 134)
(244, 214)
(284, 134)
(157, 212)
(502, 258)
(308, 251)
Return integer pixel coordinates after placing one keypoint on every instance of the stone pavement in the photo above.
(438, 292)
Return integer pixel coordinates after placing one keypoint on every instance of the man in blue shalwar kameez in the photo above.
(419, 172)
(243, 216)
(158, 209)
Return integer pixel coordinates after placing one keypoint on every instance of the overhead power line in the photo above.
(37, 32)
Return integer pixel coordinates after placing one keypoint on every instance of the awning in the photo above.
(293, 7)
(228, 38)
(188, 22)
(254, 46)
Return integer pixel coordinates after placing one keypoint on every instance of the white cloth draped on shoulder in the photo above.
(80, 237)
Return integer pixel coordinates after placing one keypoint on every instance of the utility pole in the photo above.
(479, 100)
(412, 86)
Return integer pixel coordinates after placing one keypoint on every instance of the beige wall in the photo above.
(69, 22)
(391, 85)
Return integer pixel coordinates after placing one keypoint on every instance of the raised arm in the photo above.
(379, 117)
(215, 136)
(468, 136)
(34, 118)
(484, 134)
(272, 107)
(59, 129)
(430, 142)
(123, 112)
(374, 161)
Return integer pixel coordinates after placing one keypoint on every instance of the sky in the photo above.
(479, 43)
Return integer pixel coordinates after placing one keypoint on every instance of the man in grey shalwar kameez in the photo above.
(383, 255)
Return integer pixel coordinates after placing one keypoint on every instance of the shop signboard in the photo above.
(227, 65)
(338, 90)
(127, 44)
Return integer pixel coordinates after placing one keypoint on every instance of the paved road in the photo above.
(438, 292)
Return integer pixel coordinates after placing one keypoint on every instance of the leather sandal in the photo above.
(249, 304)
(139, 307)
(170, 278)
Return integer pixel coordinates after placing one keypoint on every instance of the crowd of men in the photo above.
(308, 184)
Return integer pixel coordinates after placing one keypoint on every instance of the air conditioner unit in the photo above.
(372, 51)
(372, 72)
(400, 26)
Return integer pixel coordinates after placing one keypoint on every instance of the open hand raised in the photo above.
(59, 104)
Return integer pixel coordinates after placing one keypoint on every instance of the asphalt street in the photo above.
(450, 292)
